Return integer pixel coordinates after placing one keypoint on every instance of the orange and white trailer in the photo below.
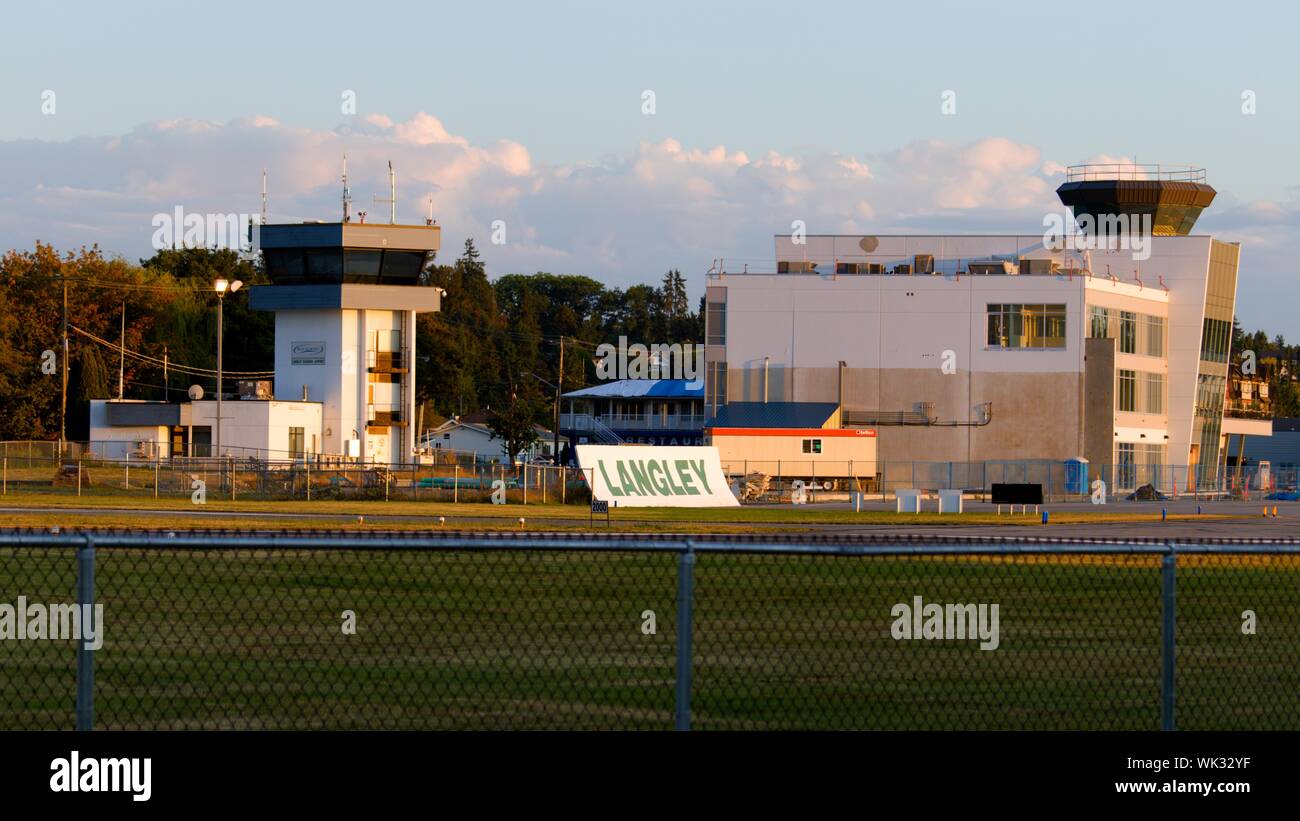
(813, 454)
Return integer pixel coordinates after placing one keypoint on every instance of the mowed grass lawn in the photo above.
(41, 508)
(532, 640)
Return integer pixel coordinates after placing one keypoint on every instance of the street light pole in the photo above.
(221, 300)
(222, 287)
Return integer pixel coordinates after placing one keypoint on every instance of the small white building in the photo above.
(470, 434)
(265, 429)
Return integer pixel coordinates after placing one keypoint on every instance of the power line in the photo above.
(151, 360)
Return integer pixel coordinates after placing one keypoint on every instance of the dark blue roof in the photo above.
(774, 415)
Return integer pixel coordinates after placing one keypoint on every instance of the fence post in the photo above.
(1168, 619)
(78, 476)
(307, 483)
(685, 629)
(85, 655)
(6, 476)
(155, 477)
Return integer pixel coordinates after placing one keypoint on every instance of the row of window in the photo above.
(1133, 332)
(1139, 391)
(1026, 326)
(330, 265)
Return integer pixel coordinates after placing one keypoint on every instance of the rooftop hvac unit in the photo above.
(995, 267)
(924, 263)
(1038, 266)
(787, 267)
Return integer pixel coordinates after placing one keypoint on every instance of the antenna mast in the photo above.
(347, 195)
(392, 195)
(264, 196)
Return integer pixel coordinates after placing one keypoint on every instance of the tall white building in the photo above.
(345, 297)
(1105, 345)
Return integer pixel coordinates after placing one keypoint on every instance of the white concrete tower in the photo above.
(345, 297)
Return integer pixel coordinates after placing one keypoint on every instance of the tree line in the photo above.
(495, 344)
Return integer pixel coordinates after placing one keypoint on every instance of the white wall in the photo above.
(902, 322)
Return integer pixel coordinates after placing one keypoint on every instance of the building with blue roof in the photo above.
(635, 411)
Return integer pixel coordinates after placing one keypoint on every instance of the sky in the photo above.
(619, 140)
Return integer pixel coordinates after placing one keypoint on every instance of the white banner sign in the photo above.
(654, 476)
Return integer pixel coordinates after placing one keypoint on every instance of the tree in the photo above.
(516, 425)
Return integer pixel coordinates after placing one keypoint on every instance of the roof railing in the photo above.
(1134, 171)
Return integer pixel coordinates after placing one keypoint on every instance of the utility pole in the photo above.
(63, 369)
(121, 362)
(559, 388)
(167, 383)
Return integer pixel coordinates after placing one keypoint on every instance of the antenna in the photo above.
(392, 195)
(429, 219)
(264, 196)
(347, 194)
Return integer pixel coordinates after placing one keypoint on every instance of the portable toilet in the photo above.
(1076, 475)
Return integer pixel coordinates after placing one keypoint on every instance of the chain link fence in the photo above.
(773, 480)
(79, 469)
(241, 630)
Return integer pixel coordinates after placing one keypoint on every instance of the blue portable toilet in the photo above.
(1076, 475)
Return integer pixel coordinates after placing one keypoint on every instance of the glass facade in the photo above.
(1212, 375)
(1134, 333)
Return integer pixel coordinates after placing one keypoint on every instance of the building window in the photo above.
(1153, 393)
(296, 440)
(715, 386)
(1125, 465)
(716, 320)
(1099, 326)
(1026, 326)
(1127, 332)
(1215, 336)
(1154, 336)
(1126, 396)
(812, 446)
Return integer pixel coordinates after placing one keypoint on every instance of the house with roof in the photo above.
(470, 434)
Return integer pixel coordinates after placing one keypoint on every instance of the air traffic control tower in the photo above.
(345, 296)
(1171, 197)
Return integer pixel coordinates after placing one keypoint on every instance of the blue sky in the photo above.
(799, 99)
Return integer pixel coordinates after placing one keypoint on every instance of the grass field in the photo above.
(41, 509)
(252, 639)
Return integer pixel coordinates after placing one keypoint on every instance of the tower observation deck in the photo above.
(1168, 198)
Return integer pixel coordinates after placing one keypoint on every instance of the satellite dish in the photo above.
(196, 392)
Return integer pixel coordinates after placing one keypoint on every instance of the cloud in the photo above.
(622, 219)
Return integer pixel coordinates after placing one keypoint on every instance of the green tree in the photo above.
(516, 424)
